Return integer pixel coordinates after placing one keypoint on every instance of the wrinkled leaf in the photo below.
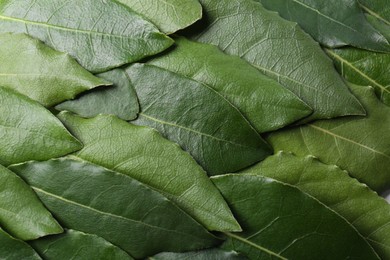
(282, 222)
(30, 132)
(100, 34)
(196, 117)
(363, 208)
(359, 145)
(77, 245)
(143, 154)
(120, 100)
(281, 50)
(333, 23)
(121, 210)
(214, 254)
(168, 15)
(21, 212)
(11, 248)
(40, 72)
(264, 102)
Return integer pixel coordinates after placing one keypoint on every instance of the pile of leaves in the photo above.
(194, 129)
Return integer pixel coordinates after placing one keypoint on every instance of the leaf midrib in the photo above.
(373, 13)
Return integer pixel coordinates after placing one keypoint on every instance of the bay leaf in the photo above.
(281, 50)
(123, 211)
(264, 102)
(11, 248)
(77, 245)
(360, 206)
(30, 132)
(196, 117)
(100, 34)
(143, 154)
(282, 222)
(214, 254)
(120, 99)
(359, 145)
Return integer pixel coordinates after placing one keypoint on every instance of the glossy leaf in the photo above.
(21, 212)
(360, 145)
(11, 248)
(145, 155)
(114, 206)
(77, 245)
(333, 23)
(120, 100)
(100, 34)
(168, 15)
(264, 102)
(378, 24)
(281, 50)
(282, 222)
(214, 254)
(364, 68)
(379, 9)
(40, 72)
(30, 132)
(196, 117)
(363, 208)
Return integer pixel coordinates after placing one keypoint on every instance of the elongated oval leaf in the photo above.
(380, 9)
(100, 34)
(91, 199)
(333, 23)
(264, 102)
(382, 27)
(363, 208)
(30, 132)
(281, 50)
(168, 15)
(359, 145)
(40, 72)
(143, 154)
(120, 100)
(78, 245)
(214, 254)
(199, 119)
(281, 222)
(21, 212)
(11, 248)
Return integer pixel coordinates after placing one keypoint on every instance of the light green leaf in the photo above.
(100, 34)
(363, 208)
(121, 210)
(214, 254)
(143, 154)
(11, 248)
(378, 8)
(120, 100)
(168, 15)
(264, 102)
(333, 23)
(281, 50)
(30, 132)
(282, 222)
(360, 145)
(78, 245)
(21, 212)
(196, 117)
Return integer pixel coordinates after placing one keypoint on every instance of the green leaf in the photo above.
(21, 212)
(40, 72)
(214, 254)
(282, 222)
(281, 50)
(77, 245)
(360, 145)
(364, 68)
(143, 154)
(264, 102)
(379, 9)
(120, 100)
(30, 132)
(363, 208)
(383, 28)
(11, 248)
(168, 15)
(121, 210)
(333, 23)
(100, 34)
(196, 117)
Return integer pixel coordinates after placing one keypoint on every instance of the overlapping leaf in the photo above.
(11, 248)
(379, 9)
(214, 254)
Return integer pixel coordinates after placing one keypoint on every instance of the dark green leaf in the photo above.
(11, 248)
(378, 24)
(378, 8)
(210, 254)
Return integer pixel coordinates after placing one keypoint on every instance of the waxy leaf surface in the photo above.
(380, 9)
(214, 254)
(123, 211)
(143, 154)
(11, 248)
(100, 34)
(30, 132)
